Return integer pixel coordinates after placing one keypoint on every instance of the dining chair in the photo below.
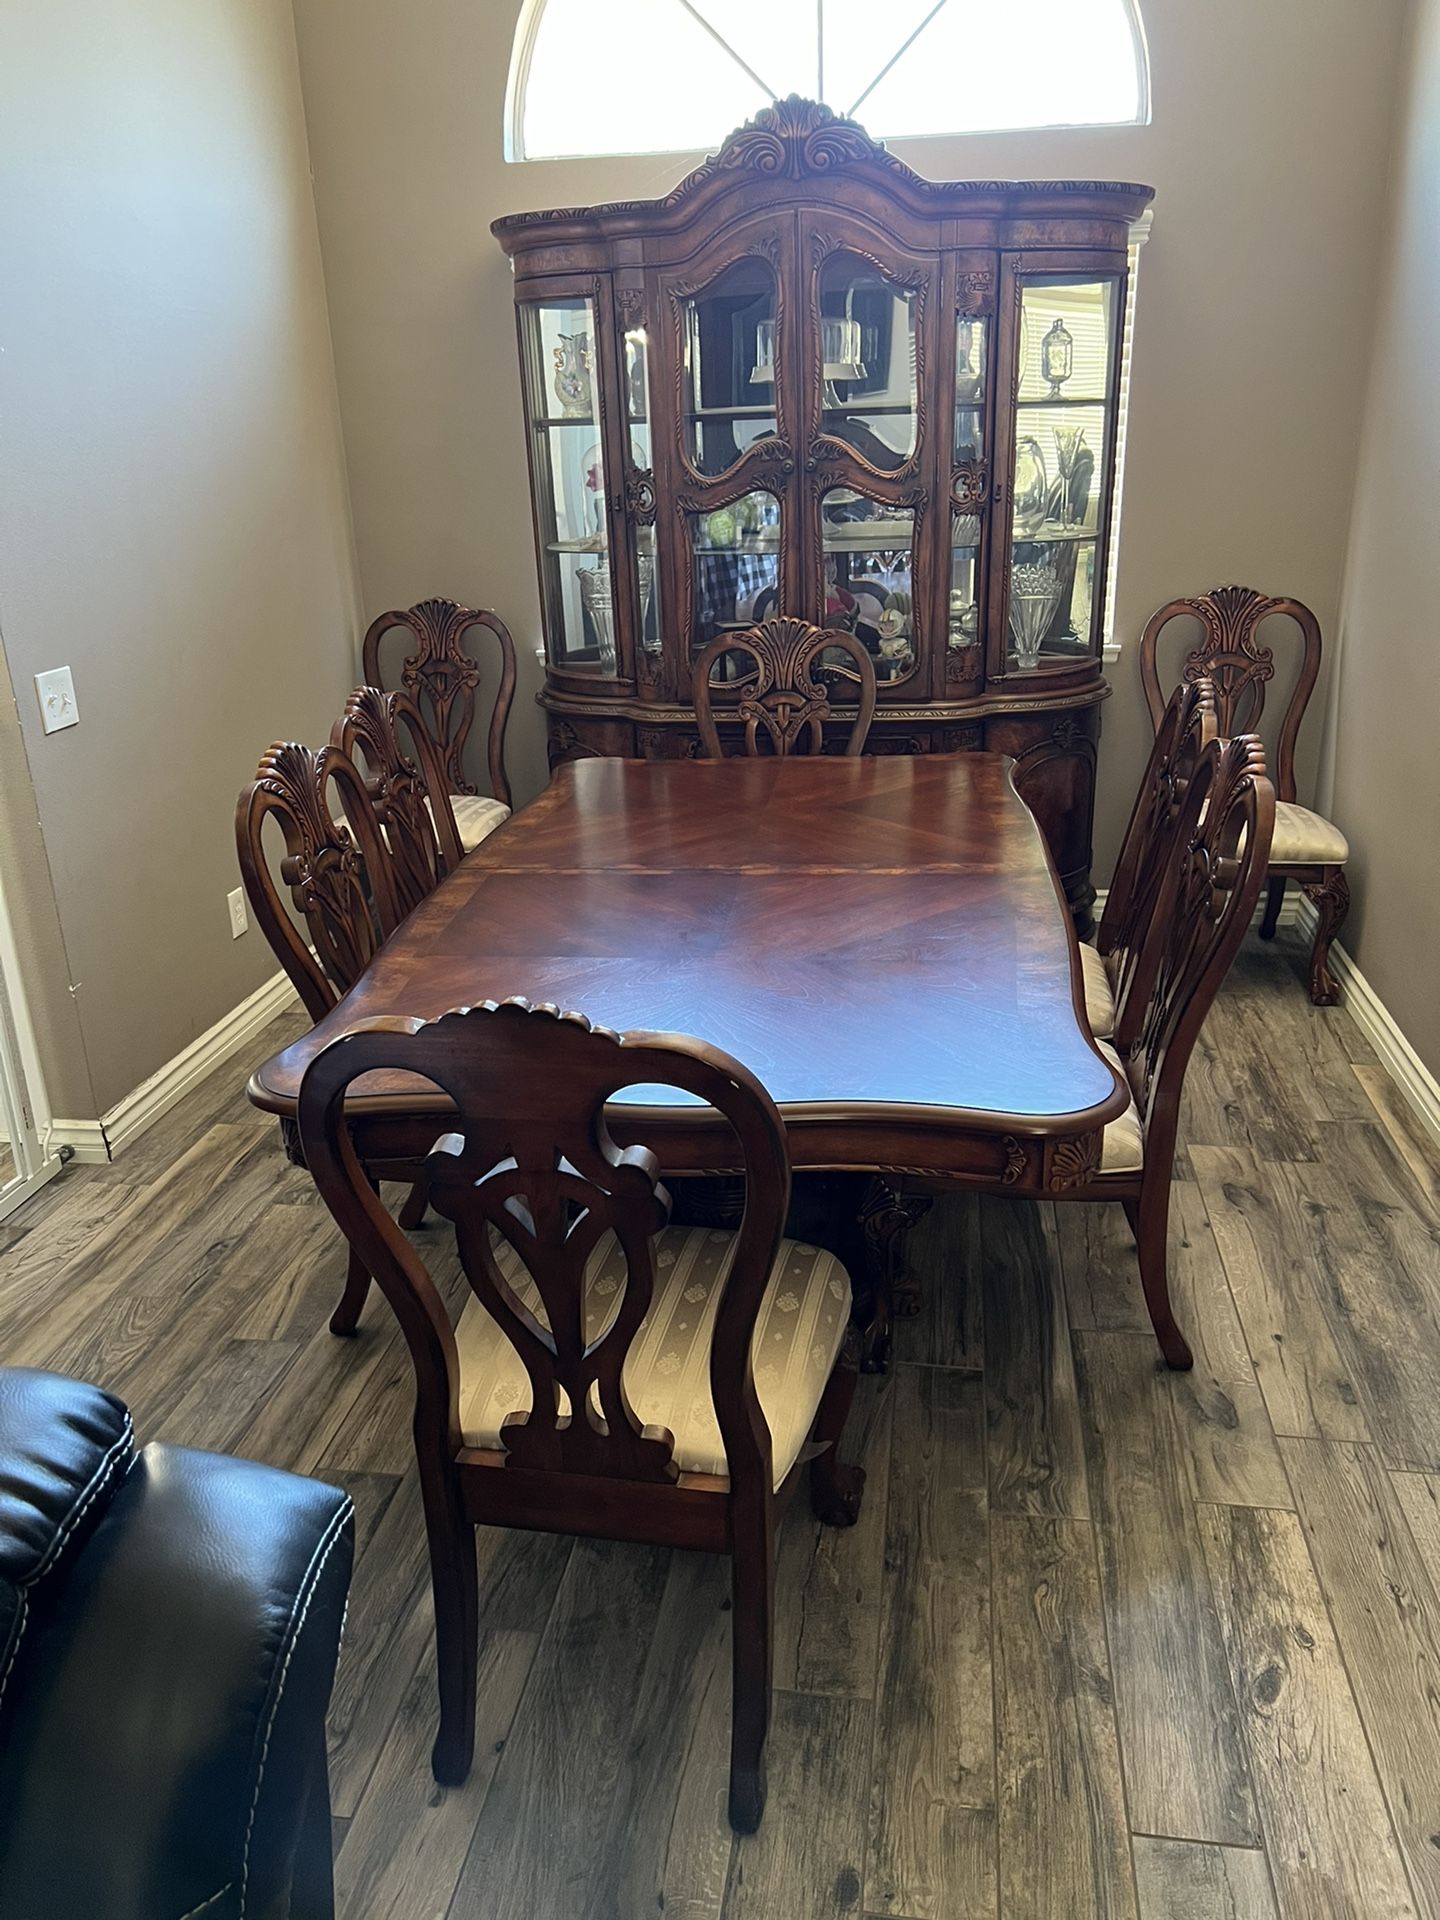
(609, 1375)
(1308, 849)
(782, 692)
(407, 789)
(1217, 850)
(1147, 852)
(337, 871)
(442, 676)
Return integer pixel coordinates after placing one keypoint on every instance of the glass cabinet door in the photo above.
(1063, 430)
(567, 466)
(868, 354)
(968, 496)
(869, 585)
(735, 551)
(730, 372)
(640, 486)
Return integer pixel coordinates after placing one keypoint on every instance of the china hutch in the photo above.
(810, 382)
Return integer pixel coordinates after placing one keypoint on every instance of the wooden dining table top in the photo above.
(883, 941)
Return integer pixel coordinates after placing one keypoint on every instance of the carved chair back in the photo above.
(338, 876)
(442, 678)
(1148, 852)
(1232, 659)
(531, 1161)
(1220, 848)
(410, 794)
(783, 691)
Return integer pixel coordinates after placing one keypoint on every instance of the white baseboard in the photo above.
(1378, 1024)
(96, 1141)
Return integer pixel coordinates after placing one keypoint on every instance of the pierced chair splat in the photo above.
(1216, 853)
(608, 1375)
(1307, 848)
(782, 693)
(443, 677)
(407, 789)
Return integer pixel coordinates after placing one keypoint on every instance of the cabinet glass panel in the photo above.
(637, 417)
(962, 625)
(1068, 337)
(972, 351)
(737, 565)
(568, 469)
(730, 353)
(867, 327)
(869, 586)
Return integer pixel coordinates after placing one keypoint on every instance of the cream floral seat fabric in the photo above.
(1306, 839)
(476, 817)
(798, 1336)
(1099, 998)
(1123, 1149)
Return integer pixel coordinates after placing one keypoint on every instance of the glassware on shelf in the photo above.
(595, 598)
(1057, 357)
(1034, 596)
(645, 567)
(1032, 488)
(969, 360)
(729, 330)
(574, 366)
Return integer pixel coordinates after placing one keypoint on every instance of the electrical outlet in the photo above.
(55, 691)
(236, 903)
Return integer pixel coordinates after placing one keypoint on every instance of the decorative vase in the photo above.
(574, 362)
(1032, 490)
(1057, 357)
(594, 584)
(645, 563)
(1034, 596)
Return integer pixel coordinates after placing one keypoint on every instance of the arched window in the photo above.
(658, 76)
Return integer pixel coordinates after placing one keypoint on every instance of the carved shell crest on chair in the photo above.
(326, 870)
(441, 672)
(1230, 655)
(785, 697)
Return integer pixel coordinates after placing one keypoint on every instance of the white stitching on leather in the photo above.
(94, 1487)
(20, 1620)
(208, 1903)
(308, 1587)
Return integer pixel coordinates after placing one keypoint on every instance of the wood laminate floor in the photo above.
(1108, 1643)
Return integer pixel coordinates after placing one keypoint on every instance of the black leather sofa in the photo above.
(169, 1624)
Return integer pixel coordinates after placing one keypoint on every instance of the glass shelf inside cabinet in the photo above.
(736, 561)
(729, 374)
(568, 468)
(1067, 348)
(869, 577)
(868, 372)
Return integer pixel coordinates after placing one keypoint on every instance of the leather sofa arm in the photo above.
(164, 1736)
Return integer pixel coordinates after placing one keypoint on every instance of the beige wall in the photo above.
(1268, 150)
(1382, 780)
(173, 513)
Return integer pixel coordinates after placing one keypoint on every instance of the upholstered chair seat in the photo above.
(798, 1336)
(476, 817)
(1123, 1150)
(1099, 994)
(1306, 839)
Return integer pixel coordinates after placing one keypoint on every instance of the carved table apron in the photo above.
(883, 941)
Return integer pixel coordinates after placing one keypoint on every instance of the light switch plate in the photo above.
(55, 691)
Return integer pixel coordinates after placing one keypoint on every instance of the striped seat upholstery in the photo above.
(798, 1335)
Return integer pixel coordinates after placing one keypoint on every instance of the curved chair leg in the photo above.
(836, 1489)
(1274, 900)
(412, 1214)
(1151, 1221)
(1330, 898)
(346, 1317)
(752, 1579)
(455, 1585)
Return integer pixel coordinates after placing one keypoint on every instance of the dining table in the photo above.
(882, 940)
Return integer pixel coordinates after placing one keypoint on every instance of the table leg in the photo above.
(887, 1214)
